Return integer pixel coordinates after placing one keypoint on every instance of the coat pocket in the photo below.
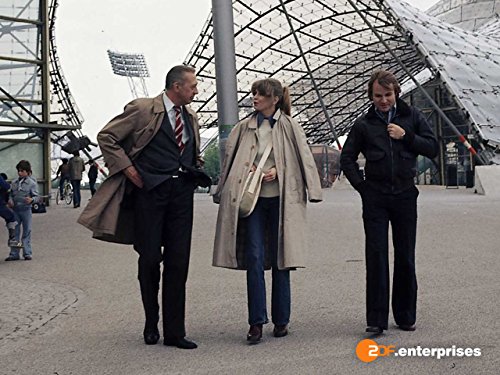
(375, 167)
(407, 164)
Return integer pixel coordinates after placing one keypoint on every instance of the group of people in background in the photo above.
(72, 170)
(17, 199)
(152, 151)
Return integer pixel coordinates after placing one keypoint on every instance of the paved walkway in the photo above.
(75, 309)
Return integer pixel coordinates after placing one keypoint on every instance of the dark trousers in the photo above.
(77, 197)
(92, 186)
(164, 217)
(7, 214)
(401, 211)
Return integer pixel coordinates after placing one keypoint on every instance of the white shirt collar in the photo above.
(169, 105)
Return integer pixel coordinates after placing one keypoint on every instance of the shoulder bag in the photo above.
(253, 183)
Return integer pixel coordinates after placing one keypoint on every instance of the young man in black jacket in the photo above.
(390, 135)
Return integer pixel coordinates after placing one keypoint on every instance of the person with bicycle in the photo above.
(63, 172)
(67, 195)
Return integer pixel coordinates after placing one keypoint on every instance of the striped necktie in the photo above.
(179, 127)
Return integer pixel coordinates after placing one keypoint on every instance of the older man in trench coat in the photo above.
(152, 152)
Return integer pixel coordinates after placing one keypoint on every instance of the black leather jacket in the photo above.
(390, 164)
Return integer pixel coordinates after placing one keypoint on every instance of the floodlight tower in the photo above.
(133, 66)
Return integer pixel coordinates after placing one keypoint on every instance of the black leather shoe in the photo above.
(179, 342)
(407, 327)
(254, 334)
(151, 337)
(374, 329)
(280, 331)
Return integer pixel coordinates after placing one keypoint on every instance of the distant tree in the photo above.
(212, 161)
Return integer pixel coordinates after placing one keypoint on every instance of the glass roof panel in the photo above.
(468, 62)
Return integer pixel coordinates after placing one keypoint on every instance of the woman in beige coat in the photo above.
(273, 235)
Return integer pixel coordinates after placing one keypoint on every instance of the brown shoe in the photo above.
(280, 330)
(407, 327)
(254, 334)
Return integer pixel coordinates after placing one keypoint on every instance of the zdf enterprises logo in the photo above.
(368, 351)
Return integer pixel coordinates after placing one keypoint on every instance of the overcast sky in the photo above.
(164, 31)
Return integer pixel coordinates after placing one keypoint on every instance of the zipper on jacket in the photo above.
(392, 165)
(392, 155)
(387, 121)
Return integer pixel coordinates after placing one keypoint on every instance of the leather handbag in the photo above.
(253, 183)
(38, 208)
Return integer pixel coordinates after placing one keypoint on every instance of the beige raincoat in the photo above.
(298, 181)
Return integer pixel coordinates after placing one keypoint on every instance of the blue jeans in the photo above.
(76, 192)
(24, 218)
(265, 217)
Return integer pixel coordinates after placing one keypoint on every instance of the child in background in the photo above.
(22, 195)
(6, 213)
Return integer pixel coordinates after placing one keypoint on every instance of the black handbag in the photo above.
(38, 208)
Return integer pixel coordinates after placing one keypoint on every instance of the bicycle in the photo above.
(67, 193)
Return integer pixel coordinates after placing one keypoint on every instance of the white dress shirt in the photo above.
(169, 107)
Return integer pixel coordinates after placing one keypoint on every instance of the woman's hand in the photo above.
(28, 200)
(270, 175)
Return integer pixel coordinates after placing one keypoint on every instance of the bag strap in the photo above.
(265, 155)
(258, 171)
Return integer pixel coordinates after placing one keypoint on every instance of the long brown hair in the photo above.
(273, 87)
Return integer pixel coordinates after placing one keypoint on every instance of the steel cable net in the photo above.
(341, 50)
(468, 63)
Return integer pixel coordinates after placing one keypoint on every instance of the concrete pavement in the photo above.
(76, 309)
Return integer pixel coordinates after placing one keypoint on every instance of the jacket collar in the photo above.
(158, 105)
(261, 118)
(253, 120)
(401, 109)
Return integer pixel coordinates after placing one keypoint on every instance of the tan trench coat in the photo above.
(121, 141)
(297, 177)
